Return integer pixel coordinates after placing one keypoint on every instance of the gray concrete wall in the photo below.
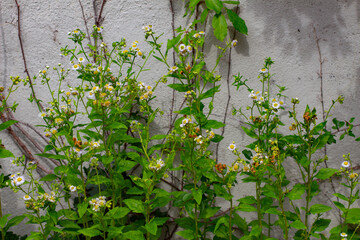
(282, 29)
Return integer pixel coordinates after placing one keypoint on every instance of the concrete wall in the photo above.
(282, 29)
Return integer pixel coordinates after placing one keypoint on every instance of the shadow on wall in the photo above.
(289, 24)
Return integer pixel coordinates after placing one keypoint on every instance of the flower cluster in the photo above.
(256, 96)
(183, 49)
(17, 179)
(145, 91)
(185, 121)
(98, 203)
(157, 164)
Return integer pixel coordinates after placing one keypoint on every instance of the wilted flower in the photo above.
(234, 43)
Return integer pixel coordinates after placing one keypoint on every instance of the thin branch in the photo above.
(24, 148)
(85, 22)
(99, 20)
(24, 59)
(173, 34)
(228, 88)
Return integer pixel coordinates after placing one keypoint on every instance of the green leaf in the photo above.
(297, 191)
(339, 195)
(48, 178)
(320, 225)
(53, 156)
(222, 220)
(319, 208)
(292, 139)
(209, 93)
(135, 205)
(151, 227)
(117, 212)
(7, 124)
(117, 125)
(135, 191)
(209, 212)
(126, 165)
(339, 206)
(4, 153)
(99, 179)
(220, 26)
(158, 137)
(326, 173)
(353, 216)
(187, 234)
(172, 42)
(134, 235)
(213, 124)
(179, 87)
(249, 132)
(198, 67)
(197, 195)
(246, 208)
(215, 5)
(68, 224)
(89, 232)
(82, 207)
(298, 225)
(14, 221)
(4, 220)
(238, 22)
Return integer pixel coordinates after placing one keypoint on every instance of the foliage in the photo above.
(112, 169)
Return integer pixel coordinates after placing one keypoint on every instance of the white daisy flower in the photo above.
(343, 234)
(90, 95)
(76, 67)
(345, 164)
(263, 71)
(173, 69)
(232, 147)
(275, 105)
(72, 188)
(26, 197)
(53, 131)
(202, 33)
(17, 181)
(196, 35)
(99, 29)
(43, 114)
(182, 47)
(198, 140)
(189, 49)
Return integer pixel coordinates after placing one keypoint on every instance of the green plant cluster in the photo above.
(112, 174)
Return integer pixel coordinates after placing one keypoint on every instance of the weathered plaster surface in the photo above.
(281, 29)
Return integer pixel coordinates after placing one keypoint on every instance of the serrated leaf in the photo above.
(238, 22)
(326, 173)
(319, 208)
(53, 156)
(197, 195)
(117, 212)
(209, 212)
(187, 234)
(158, 137)
(220, 26)
(82, 207)
(246, 208)
(135, 205)
(213, 124)
(320, 225)
(215, 5)
(339, 195)
(298, 225)
(353, 216)
(209, 93)
(151, 228)
(49, 177)
(297, 191)
(179, 87)
(134, 235)
(89, 232)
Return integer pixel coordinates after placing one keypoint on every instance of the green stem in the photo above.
(230, 216)
(258, 206)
